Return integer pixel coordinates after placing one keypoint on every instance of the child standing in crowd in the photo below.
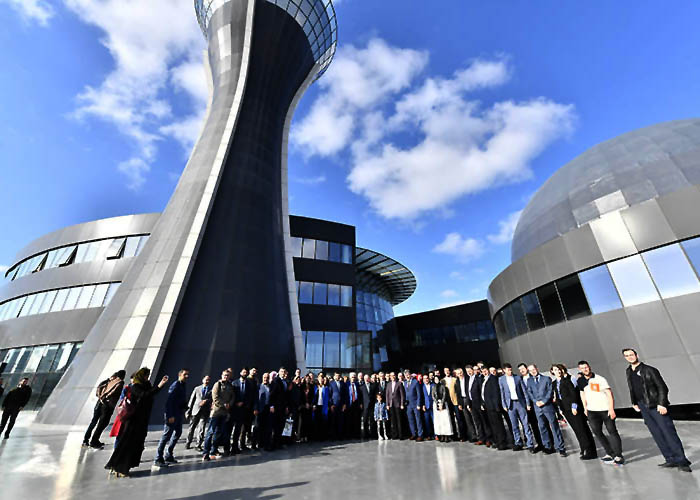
(381, 416)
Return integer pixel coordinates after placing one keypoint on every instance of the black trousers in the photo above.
(664, 433)
(369, 425)
(241, 427)
(100, 420)
(353, 417)
(203, 418)
(612, 443)
(336, 422)
(8, 419)
(579, 424)
(395, 416)
(96, 412)
(470, 427)
(498, 431)
(480, 426)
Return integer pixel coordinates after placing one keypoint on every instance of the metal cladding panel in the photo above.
(614, 333)
(539, 343)
(653, 329)
(560, 342)
(48, 328)
(537, 269)
(684, 311)
(520, 277)
(557, 258)
(585, 342)
(582, 248)
(680, 210)
(618, 173)
(614, 240)
(647, 225)
(681, 376)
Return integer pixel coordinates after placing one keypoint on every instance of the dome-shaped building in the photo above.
(606, 255)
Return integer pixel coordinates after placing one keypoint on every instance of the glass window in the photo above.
(334, 252)
(85, 296)
(22, 359)
(51, 260)
(550, 305)
(500, 325)
(132, 243)
(600, 290)
(320, 293)
(142, 242)
(346, 296)
(62, 357)
(331, 350)
(692, 250)
(48, 301)
(572, 297)
(306, 292)
(39, 298)
(632, 281)
(333, 295)
(509, 322)
(99, 296)
(346, 254)
(296, 246)
(35, 358)
(314, 349)
(47, 358)
(671, 271)
(17, 307)
(60, 299)
(110, 293)
(42, 262)
(531, 308)
(116, 248)
(72, 298)
(519, 317)
(347, 350)
(308, 248)
(81, 253)
(321, 250)
(67, 257)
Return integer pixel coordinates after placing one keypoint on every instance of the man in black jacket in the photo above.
(649, 395)
(13, 403)
(491, 397)
(483, 433)
(279, 407)
(368, 393)
(242, 410)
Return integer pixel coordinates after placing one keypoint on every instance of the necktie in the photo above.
(353, 392)
(204, 391)
(243, 387)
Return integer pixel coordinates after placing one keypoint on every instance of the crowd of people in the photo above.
(501, 408)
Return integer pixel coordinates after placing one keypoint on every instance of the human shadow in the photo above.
(243, 493)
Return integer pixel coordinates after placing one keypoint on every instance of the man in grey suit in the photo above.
(198, 409)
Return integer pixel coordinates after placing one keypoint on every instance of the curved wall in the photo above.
(663, 329)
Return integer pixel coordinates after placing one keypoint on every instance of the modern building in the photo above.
(218, 260)
(60, 285)
(606, 255)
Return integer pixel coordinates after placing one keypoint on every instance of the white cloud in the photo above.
(506, 229)
(135, 170)
(435, 144)
(157, 47)
(311, 181)
(3, 269)
(32, 10)
(448, 293)
(464, 249)
(457, 275)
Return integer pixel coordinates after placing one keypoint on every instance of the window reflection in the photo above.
(296, 246)
(600, 290)
(331, 349)
(320, 293)
(305, 292)
(671, 271)
(549, 302)
(572, 297)
(519, 318)
(531, 308)
(308, 249)
(692, 250)
(321, 250)
(633, 281)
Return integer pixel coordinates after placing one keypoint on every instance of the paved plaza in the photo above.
(48, 463)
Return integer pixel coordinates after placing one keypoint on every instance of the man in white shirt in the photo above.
(599, 406)
(531, 414)
(467, 432)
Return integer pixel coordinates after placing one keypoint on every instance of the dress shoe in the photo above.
(563, 453)
(668, 465)
(188, 446)
(412, 438)
(479, 443)
(533, 450)
(419, 439)
(589, 456)
(685, 468)
(489, 444)
(517, 447)
(548, 451)
(502, 448)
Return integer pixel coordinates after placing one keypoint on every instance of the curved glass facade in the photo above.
(76, 253)
(374, 314)
(62, 299)
(43, 365)
(661, 273)
(316, 17)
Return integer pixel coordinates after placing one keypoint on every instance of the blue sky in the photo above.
(429, 132)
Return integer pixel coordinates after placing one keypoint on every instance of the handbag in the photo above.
(288, 425)
(126, 406)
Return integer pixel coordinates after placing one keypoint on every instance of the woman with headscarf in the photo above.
(442, 419)
(131, 424)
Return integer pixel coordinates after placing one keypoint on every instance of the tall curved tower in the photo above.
(213, 287)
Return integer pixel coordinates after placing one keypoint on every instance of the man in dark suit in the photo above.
(368, 393)
(278, 402)
(242, 412)
(396, 402)
(354, 411)
(491, 397)
(474, 404)
(338, 406)
(467, 432)
(414, 402)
